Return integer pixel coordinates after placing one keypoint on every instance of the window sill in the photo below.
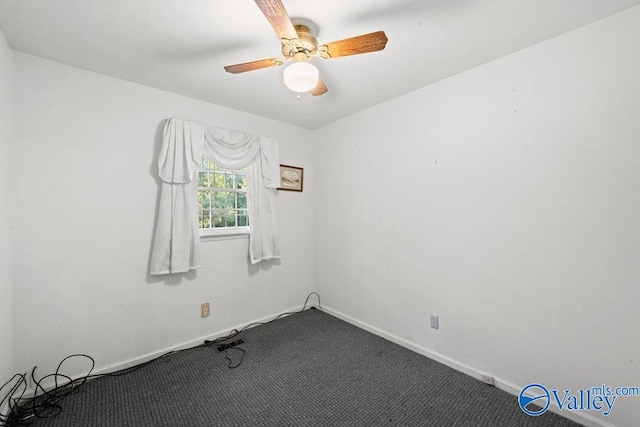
(236, 233)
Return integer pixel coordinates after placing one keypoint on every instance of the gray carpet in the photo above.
(308, 369)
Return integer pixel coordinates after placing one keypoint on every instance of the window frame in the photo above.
(228, 232)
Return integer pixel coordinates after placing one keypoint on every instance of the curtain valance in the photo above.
(176, 241)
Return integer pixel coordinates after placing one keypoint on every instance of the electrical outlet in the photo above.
(435, 322)
(204, 310)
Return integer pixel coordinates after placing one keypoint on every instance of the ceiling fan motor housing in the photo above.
(305, 44)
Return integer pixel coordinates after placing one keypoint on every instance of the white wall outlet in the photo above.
(204, 310)
(435, 322)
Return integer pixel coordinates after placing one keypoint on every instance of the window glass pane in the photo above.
(230, 178)
(201, 219)
(204, 220)
(242, 200)
(204, 199)
(230, 216)
(242, 218)
(218, 180)
(203, 179)
(220, 199)
(218, 218)
(231, 200)
(241, 182)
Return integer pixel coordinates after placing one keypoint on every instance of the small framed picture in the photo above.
(291, 178)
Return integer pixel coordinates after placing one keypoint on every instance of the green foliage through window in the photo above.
(222, 196)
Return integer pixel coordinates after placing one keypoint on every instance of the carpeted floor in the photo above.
(308, 369)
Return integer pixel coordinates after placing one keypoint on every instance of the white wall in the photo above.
(6, 276)
(85, 192)
(505, 200)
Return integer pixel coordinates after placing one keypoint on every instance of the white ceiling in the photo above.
(181, 46)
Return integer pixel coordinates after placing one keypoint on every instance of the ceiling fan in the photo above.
(299, 45)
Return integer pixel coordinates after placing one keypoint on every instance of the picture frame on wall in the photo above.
(291, 178)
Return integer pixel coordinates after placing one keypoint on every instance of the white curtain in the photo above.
(176, 241)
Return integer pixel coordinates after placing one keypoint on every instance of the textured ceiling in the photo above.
(181, 46)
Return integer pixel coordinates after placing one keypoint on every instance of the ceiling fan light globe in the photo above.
(301, 77)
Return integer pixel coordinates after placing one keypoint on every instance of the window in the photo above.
(222, 200)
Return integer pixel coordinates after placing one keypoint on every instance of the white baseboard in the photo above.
(501, 383)
(118, 366)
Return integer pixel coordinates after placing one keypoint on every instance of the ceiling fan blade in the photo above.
(320, 88)
(277, 16)
(365, 43)
(253, 65)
